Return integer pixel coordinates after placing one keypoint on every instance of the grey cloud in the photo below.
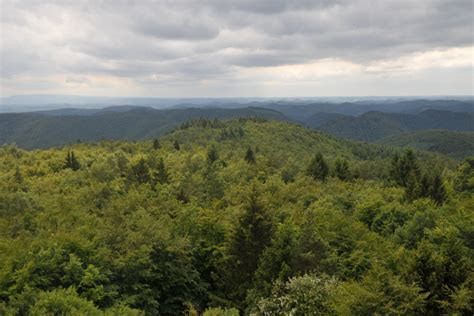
(193, 40)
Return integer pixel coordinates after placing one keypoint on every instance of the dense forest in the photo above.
(245, 216)
(442, 126)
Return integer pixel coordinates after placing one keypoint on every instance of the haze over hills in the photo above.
(371, 120)
(365, 120)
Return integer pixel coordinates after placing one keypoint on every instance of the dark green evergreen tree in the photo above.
(438, 191)
(156, 144)
(212, 154)
(161, 174)
(405, 168)
(18, 176)
(71, 161)
(176, 145)
(342, 169)
(425, 186)
(318, 168)
(412, 188)
(250, 156)
(140, 172)
(250, 237)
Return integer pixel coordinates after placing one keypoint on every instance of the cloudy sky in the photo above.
(221, 48)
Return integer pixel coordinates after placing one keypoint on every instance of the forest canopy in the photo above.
(245, 216)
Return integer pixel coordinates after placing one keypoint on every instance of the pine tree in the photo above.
(18, 176)
(405, 168)
(212, 155)
(251, 236)
(156, 144)
(318, 168)
(161, 174)
(71, 161)
(412, 188)
(250, 156)
(425, 186)
(342, 169)
(438, 191)
(176, 145)
(141, 172)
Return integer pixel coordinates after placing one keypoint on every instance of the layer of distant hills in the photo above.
(445, 126)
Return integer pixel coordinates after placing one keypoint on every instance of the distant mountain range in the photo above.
(392, 122)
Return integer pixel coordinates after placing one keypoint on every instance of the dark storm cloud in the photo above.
(202, 39)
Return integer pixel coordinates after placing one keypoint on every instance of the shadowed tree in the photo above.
(71, 161)
(250, 156)
(318, 168)
(342, 169)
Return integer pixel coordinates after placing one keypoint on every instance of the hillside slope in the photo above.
(373, 126)
(454, 144)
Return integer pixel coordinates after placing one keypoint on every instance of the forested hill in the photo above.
(454, 144)
(66, 126)
(245, 216)
(374, 126)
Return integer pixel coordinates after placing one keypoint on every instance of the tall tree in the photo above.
(318, 168)
(18, 176)
(405, 168)
(342, 169)
(438, 191)
(250, 237)
(212, 154)
(161, 174)
(176, 145)
(141, 172)
(156, 144)
(71, 161)
(250, 156)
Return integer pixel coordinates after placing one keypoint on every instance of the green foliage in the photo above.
(71, 161)
(176, 145)
(212, 154)
(464, 180)
(305, 295)
(156, 144)
(250, 237)
(140, 172)
(217, 311)
(250, 156)
(159, 231)
(318, 168)
(341, 170)
(161, 174)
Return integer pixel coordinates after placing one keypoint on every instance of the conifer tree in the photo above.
(318, 168)
(425, 186)
(412, 188)
(212, 155)
(251, 236)
(141, 172)
(438, 191)
(161, 174)
(18, 176)
(176, 145)
(250, 156)
(156, 144)
(405, 168)
(71, 161)
(342, 169)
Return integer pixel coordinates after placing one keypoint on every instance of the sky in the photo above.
(220, 48)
